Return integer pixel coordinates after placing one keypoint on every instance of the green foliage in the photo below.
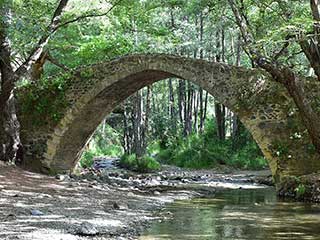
(142, 164)
(281, 149)
(45, 99)
(86, 160)
(195, 152)
(300, 190)
(106, 141)
(100, 47)
(249, 157)
(207, 151)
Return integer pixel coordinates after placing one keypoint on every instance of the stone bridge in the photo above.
(57, 125)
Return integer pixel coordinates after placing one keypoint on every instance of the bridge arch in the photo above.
(261, 104)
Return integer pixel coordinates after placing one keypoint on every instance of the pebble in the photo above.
(130, 194)
(156, 193)
(120, 206)
(62, 177)
(36, 212)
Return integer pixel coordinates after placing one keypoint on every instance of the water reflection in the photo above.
(239, 214)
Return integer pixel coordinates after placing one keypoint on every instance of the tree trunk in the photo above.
(188, 123)
(223, 48)
(201, 110)
(201, 124)
(195, 111)
(127, 142)
(284, 75)
(220, 120)
(311, 120)
(146, 119)
(219, 108)
(181, 100)
(235, 120)
(171, 105)
(10, 145)
(138, 124)
(204, 114)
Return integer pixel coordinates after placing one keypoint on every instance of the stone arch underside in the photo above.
(94, 91)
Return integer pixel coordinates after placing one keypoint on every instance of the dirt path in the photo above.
(34, 206)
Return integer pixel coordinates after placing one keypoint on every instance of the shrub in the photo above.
(128, 161)
(249, 157)
(201, 151)
(143, 164)
(147, 164)
(86, 160)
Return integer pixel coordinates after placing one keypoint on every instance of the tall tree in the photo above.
(220, 108)
(279, 71)
(30, 67)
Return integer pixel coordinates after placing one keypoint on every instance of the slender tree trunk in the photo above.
(204, 115)
(201, 124)
(126, 130)
(236, 126)
(201, 35)
(201, 110)
(238, 54)
(186, 108)
(189, 109)
(181, 100)
(219, 108)
(195, 111)
(171, 105)
(104, 128)
(235, 120)
(146, 119)
(223, 48)
(137, 125)
(220, 119)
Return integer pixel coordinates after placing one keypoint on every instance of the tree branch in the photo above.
(282, 50)
(54, 25)
(38, 49)
(256, 55)
(57, 63)
(88, 16)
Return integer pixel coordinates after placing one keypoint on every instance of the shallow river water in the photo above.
(238, 214)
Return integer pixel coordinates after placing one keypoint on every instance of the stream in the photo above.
(238, 214)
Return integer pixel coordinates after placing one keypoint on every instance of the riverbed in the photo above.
(171, 204)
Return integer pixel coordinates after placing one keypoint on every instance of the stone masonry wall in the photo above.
(94, 91)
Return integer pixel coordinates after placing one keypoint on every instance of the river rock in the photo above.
(10, 217)
(36, 212)
(156, 193)
(86, 229)
(62, 177)
(120, 206)
(130, 194)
